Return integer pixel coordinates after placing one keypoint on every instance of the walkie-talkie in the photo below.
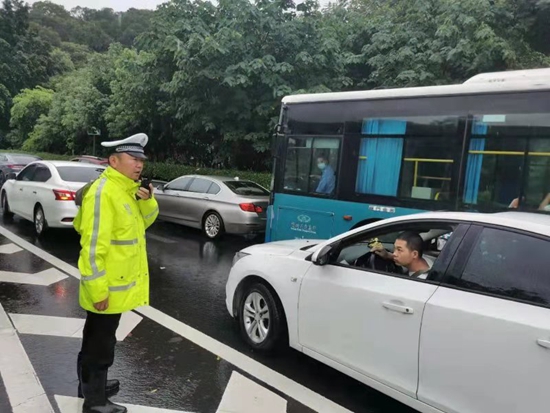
(145, 182)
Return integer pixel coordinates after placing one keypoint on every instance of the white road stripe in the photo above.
(9, 249)
(46, 277)
(242, 395)
(67, 326)
(272, 378)
(74, 405)
(22, 384)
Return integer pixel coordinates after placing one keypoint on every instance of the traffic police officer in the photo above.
(112, 220)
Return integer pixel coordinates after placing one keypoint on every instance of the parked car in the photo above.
(14, 162)
(43, 192)
(91, 159)
(158, 184)
(217, 205)
(471, 336)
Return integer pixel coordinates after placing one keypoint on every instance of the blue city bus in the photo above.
(343, 160)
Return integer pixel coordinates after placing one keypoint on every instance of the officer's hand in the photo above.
(144, 193)
(102, 305)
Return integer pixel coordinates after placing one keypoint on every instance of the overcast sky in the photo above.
(117, 5)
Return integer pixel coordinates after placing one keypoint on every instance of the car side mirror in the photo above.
(11, 175)
(323, 257)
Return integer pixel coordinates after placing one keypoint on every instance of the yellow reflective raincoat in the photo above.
(113, 258)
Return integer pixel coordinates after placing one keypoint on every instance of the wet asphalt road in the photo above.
(188, 276)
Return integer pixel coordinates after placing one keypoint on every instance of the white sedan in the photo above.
(471, 336)
(43, 192)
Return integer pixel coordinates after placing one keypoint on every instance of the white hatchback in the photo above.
(473, 336)
(43, 192)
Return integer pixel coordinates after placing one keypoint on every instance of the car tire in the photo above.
(261, 318)
(40, 223)
(6, 211)
(212, 225)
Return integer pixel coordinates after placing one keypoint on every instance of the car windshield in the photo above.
(78, 174)
(246, 188)
(23, 159)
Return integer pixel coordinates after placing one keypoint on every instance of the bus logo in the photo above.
(305, 219)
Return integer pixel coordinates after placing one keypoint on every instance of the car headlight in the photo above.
(238, 256)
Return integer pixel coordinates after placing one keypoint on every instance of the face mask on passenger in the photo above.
(321, 165)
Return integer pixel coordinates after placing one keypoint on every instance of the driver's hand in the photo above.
(381, 252)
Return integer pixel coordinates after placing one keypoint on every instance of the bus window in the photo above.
(508, 162)
(411, 157)
(311, 165)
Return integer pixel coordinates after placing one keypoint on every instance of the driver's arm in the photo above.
(382, 252)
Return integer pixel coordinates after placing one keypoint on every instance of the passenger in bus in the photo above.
(545, 204)
(407, 253)
(328, 177)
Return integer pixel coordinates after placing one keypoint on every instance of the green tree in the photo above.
(27, 108)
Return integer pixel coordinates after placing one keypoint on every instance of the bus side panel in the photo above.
(296, 217)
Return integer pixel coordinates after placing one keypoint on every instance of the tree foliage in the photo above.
(205, 80)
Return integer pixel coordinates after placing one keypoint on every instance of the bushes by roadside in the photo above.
(168, 171)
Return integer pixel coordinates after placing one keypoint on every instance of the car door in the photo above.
(21, 191)
(485, 341)
(368, 320)
(197, 199)
(37, 192)
(169, 199)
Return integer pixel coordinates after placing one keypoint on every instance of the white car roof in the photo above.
(70, 163)
(499, 82)
(537, 223)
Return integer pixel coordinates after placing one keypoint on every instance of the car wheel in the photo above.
(6, 206)
(261, 318)
(212, 225)
(40, 223)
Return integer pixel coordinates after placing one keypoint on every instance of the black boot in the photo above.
(95, 399)
(112, 387)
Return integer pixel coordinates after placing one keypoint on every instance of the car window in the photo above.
(3, 158)
(509, 264)
(358, 251)
(246, 188)
(200, 185)
(42, 174)
(27, 173)
(179, 184)
(214, 189)
(78, 174)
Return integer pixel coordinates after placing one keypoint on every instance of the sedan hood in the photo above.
(280, 247)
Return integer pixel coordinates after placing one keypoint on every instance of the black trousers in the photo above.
(98, 343)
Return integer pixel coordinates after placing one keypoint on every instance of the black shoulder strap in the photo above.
(79, 195)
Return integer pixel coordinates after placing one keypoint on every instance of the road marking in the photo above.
(242, 395)
(67, 326)
(256, 369)
(46, 277)
(74, 405)
(22, 385)
(9, 249)
(270, 377)
(161, 239)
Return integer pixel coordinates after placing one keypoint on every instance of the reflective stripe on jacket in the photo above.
(113, 258)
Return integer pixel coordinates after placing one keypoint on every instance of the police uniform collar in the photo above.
(120, 179)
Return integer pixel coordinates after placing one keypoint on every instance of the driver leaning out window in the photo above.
(408, 251)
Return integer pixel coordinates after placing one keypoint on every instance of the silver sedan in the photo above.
(214, 204)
